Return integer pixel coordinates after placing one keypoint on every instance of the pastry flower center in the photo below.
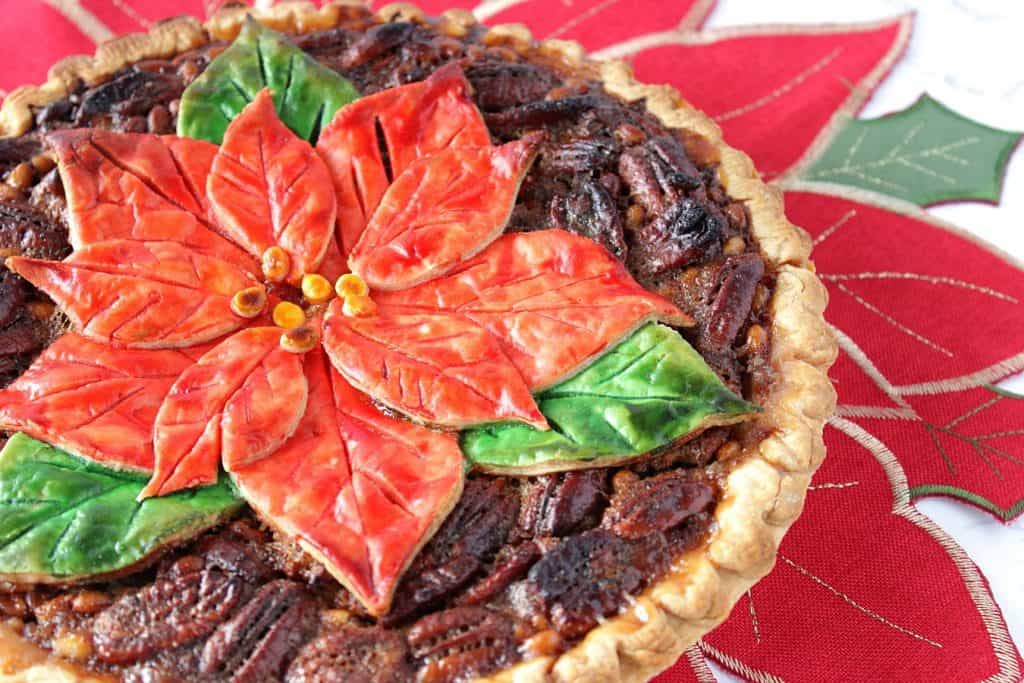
(297, 336)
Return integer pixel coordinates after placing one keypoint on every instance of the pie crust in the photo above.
(764, 492)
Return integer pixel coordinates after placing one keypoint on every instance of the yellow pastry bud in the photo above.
(288, 315)
(350, 284)
(275, 264)
(249, 302)
(316, 288)
(300, 339)
(359, 307)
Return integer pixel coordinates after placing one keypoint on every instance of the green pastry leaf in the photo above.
(650, 390)
(306, 93)
(926, 153)
(64, 518)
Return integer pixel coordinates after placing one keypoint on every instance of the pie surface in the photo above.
(546, 571)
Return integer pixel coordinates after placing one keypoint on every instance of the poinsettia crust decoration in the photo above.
(185, 340)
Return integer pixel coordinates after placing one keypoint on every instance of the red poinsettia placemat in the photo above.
(866, 588)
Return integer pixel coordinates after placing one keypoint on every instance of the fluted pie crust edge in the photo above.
(764, 491)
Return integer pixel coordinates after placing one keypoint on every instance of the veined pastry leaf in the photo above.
(239, 402)
(141, 294)
(359, 489)
(306, 94)
(268, 187)
(65, 518)
(373, 141)
(649, 391)
(442, 210)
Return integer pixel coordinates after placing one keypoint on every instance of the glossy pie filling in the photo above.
(522, 566)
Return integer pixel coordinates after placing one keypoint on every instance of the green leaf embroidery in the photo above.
(650, 390)
(306, 93)
(62, 517)
(925, 154)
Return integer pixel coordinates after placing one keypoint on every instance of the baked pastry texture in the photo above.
(762, 484)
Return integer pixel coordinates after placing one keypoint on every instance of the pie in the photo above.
(381, 347)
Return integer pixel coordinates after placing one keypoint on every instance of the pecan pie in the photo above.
(383, 347)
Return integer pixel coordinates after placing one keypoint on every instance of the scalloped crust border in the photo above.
(764, 491)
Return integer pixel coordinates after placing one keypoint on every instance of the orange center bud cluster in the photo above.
(297, 336)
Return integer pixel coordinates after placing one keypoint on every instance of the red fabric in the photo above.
(866, 588)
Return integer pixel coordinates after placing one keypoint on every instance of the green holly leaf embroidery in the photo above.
(306, 93)
(925, 154)
(650, 390)
(62, 517)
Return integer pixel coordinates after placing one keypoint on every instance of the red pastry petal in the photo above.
(269, 188)
(141, 187)
(360, 491)
(409, 122)
(438, 368)
(239, 402)
(94, 400)
(141, 294)
(553, 299)
(441, 210)
(814, 75)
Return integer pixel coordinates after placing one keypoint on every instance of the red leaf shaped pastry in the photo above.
(373, 140)
(939, 619)
(269, 188)
(240, 401)
(94, 400)
(438, 368)
(441, 210)
(360, 490)
(554, 300)
(814, 75)
(141, 294)
(141, 187)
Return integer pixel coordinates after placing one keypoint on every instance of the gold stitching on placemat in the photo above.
(87, 22)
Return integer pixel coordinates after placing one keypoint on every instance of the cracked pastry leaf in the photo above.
(93, 400)
(436, 368)
(306, 94)
(373, 141)
(555, 301)
(63, 518)
(443, 209)
(269, 188)
(239, 402)
(926, 153)
(360, 490)
(649, 391)
(124, 186)
(141, 294)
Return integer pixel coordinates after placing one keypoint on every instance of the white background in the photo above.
(968, 54)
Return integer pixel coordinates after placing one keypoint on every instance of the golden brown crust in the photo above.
(763, 493)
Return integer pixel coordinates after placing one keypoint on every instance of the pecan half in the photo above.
(460, 643)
